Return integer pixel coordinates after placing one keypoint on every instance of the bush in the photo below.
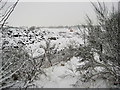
(104, 41)
(17, 66)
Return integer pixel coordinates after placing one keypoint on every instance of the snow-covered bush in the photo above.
(17, 66)
(103, 43)
(54, 53)
(49, 52)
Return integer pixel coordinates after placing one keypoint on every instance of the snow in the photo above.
(98, 83)
(60, 43)
(66, 77)
(38, 52)
(59, 76)
(63, 74)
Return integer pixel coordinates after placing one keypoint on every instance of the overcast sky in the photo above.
(52, 13)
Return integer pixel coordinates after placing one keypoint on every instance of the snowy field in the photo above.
(63, 73)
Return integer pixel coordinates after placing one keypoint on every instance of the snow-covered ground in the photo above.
(63, 74)
(32, 40)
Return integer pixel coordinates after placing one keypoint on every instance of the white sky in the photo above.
(52, 13)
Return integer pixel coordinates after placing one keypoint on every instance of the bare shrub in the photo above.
(103, 40)
(17, 66)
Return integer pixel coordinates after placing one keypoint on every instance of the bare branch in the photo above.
(3, 5)
(9, 13)
(6, 13)
(13, 72)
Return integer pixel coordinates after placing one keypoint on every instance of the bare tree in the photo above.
(6, 10)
